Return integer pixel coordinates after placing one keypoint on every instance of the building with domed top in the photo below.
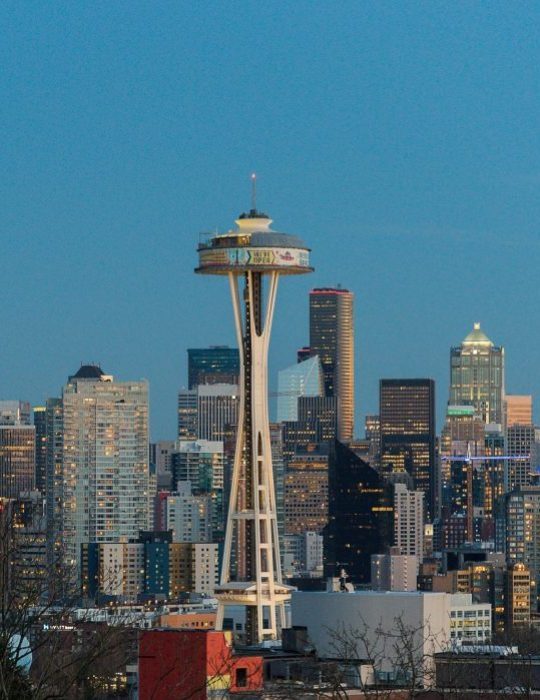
(477, 376)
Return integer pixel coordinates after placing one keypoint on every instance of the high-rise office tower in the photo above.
(54, 421)
(520, 525)
(105, 462)
(321, 413)
(407, 425)
(301, 379)
(520, 444)
(40, 424)
(317, 423)
(14, 413)
(361, 516)
(253, 253)
(519, 410)
(17, 449)
(217, 364)
(306, 492)
(331, 337)
(207, 411)
(29, 552)
(477, 376)
(373, 436)
(201, 462)
(463, 432)
(409, 521)
(494, 477)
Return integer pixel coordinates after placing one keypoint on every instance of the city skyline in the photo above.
(169, 418)
(409, 157)
(222, 475)
(442, 395)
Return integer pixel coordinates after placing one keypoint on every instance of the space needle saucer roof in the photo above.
(252, 246)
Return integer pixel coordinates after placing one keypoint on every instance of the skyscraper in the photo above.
(520, 443)
(14, 413)
(477, 376)
(407, 425)
(250, 253)
(463, 432)
(105, 461)
(40, 424)
(17, 449)
(207, 411)
(201, 462)
(331, 337)
(217, 364)
(54, 487)
(316, 424)
(521, 519)
(361, 515)
(519, 410)
(302, 379)
(373, 436)
(409, 521)
(306, 492)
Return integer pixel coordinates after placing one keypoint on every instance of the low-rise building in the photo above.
(194, 664)
(469, 622)
(381, 626)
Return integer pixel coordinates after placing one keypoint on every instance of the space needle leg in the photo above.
(237, 467)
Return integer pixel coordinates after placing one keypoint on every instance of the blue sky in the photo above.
(400, 140)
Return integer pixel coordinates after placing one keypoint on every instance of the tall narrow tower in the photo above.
(331, 337)
(250, 254)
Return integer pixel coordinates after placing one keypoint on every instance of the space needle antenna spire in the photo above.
(253, 258)
(254, 191)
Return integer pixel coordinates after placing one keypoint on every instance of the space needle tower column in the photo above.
(253, 257)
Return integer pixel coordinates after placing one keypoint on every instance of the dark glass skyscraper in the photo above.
(217, 364)
(40, 424)
(407, 424)
(331, 337)
(360, 515)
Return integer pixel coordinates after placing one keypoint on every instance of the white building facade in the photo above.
(394, 572)
(409, 520)
(105, 460)
(384, 626)
(188, 516)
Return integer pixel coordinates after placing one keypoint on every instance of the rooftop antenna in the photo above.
(254, 191)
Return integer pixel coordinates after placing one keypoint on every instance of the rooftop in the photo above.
(477, 337)
(88, 372)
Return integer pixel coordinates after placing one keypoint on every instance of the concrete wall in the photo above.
(395, 630)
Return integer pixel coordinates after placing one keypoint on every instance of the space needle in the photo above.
(253, 257)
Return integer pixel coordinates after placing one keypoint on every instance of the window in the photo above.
(241, 677)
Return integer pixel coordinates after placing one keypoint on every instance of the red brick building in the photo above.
(189, 663)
